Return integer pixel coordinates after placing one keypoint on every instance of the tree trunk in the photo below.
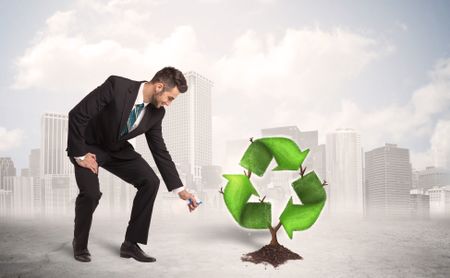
(273, 232)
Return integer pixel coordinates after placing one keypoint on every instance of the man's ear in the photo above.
(159, 87)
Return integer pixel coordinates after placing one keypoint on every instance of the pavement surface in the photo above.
(208, 243)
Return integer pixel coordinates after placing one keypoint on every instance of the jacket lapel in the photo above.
(128, 105)
(130, 98)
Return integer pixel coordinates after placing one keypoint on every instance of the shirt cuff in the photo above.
(179, 189)
(79, 157)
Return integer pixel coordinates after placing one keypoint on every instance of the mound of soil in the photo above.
(273, 254)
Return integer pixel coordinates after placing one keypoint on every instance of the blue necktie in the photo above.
(132, 118)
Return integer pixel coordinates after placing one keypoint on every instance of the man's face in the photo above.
(164, 97)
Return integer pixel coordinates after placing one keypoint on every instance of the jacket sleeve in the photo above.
(85, 110)
(162, 157)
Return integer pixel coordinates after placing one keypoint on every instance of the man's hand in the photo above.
(90, 162)
(184, 195)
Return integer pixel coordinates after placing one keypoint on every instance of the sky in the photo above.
(380, 67)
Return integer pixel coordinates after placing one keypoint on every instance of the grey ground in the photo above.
(208, 242)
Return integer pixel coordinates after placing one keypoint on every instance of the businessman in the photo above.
(99, 127)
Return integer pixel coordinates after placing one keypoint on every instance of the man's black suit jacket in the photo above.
(98, 118)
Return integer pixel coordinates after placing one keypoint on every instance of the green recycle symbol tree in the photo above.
(258, 215)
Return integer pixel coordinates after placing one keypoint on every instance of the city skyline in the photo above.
(54, 190)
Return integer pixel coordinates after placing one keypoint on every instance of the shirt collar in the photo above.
(140, 96)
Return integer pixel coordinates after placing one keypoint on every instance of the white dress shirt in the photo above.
(139, 100)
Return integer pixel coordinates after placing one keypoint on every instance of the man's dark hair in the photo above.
(171, 77)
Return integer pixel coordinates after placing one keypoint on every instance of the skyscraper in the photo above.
(388, 181)
(415, 179)
(22, 197)
(5, 202)
(344, 173)
(34, 160)
(56, 176)
(7, 169)
(34, 164)
(54, 159)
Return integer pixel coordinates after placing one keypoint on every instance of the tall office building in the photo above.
(187, 130)
(56, 170)
(319, 162)
(344, 173)
(5, 203)
(7, 169)
(22, 196)
(53, 156)
(34, 164)
(59, 194)
(415, 179)
(25, 172)
(388, 181)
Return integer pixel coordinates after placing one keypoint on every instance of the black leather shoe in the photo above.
(81, 255)
(132, 250)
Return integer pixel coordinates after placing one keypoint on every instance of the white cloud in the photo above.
(421, 160)
(61, 63)
(80, 47)
(300, 64)
(440, 144)
(438, 154)
(10, 139)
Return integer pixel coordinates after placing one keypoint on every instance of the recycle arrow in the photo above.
(261, 151)
(249, 215)
(310, 191)
(256, 159)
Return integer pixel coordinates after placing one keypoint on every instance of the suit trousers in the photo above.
(134, 171)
